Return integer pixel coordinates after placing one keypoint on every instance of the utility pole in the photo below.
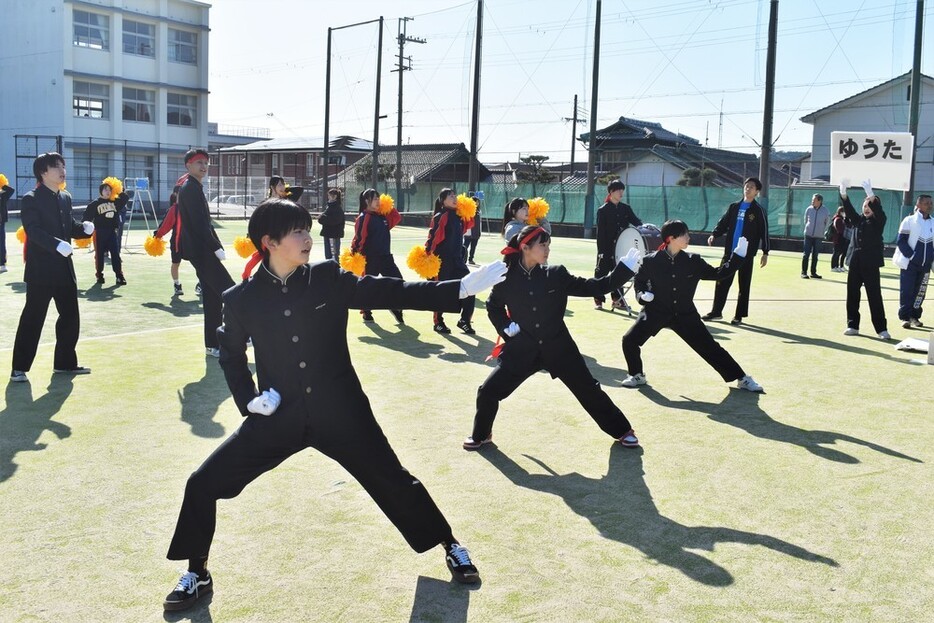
(472, 172)
(323, 186)
(591, 147)
(915, 103)
(765, 161)
(379, 67)
(574, 121)
(402, 67)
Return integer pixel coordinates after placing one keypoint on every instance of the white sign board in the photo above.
(883, 157)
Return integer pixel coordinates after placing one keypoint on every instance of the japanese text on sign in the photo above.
(883, 157)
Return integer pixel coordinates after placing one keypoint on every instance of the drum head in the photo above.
(629, 238)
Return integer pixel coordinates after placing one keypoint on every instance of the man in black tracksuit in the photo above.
(106, 212)
(201, 246)
(612, 218)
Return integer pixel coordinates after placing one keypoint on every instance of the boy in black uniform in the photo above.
(309, 394)
(612, 218)
(5, 193)
(666, 284)
(106, 212)
(50, 272)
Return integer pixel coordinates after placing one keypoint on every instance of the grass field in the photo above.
(812, 502)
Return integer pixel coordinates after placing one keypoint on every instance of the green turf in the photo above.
(807, 503)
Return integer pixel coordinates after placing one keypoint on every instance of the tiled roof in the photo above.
(419, 162)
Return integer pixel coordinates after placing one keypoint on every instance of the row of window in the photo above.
(86, 169)
(92, 30)
(234, 163)
(91, 99)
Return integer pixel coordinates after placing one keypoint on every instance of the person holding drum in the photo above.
(745, 219)
(665, 285)
(612, 218)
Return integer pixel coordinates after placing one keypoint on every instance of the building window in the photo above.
(175, 167)
(258, 159)
(91, 30)
(233, 164)
(309, 163)
(183, 46)
(86, 171)
(141, 165)
(139, 105)
(182, 110)
(139, 38)
(275, 164)
(91, 100)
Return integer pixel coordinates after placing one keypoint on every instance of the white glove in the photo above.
(483, 279)
(266, 403)
(64, 248)
(220, 254)
(88, 227)
(867, 186)
(632, 260)
(843, 185)
(512, 330)
(647, 297)
(742, 246)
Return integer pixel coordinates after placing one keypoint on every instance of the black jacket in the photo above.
(446, 240)
(673, 281)
(299, 332)
(536, 301)
(196, 234)
(867, 238)
(5, 195)
(47, 221)
(332, 221)
(613, 218)
(106, 214)
(755, 229)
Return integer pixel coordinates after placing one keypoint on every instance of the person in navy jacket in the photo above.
(307, 393)
(446, 240)
(373, 240)
(666, 284)
(914, 258)
(527, 311)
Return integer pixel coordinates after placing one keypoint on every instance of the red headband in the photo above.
(197, 157)
(510, 250)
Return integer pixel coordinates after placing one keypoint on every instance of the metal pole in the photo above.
(472, 172)
(915, 103)
(573, 135)
(322, 194)
(765, 161)
(592, 156)
(401, 68)
(379, 68)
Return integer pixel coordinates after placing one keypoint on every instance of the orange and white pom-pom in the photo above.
(466, 208)
(154, 246)
(386, 204)
(21, 235)
(3, 180)
(83, 243)
(116, 186)
(426, 265)
(353, 262)
(244, 246)
(538, 209)
(63, 186)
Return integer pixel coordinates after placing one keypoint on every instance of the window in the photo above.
(182, 110)
(233, 164)
(91, 100)
(257, 159)
(309, 163)
(86, 170)
(175, 166)
(183, 46)
(139, 105)
(139, 38)
(141, 165)
(91, 30)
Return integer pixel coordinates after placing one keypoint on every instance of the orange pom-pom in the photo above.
(426, 265)
(538, 209)
(244, 246)
(3, 180)
(63, 185)
(21, 235)
(386, 204)
(116, 186)
(466, 208)
(83, 243)
(353, 262)
(154, 246)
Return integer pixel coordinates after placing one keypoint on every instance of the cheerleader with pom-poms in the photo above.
(106, 212)
(521, 212)
(169, 225)
(369, 252)
(278, 189)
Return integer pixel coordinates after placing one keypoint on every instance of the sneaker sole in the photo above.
(474, 448)
(463, 578)
(171, 606)
(19, 379)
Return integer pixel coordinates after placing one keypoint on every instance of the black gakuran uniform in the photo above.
(612, 219)
(756, 231)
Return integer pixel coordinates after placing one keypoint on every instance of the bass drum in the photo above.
(646, 238)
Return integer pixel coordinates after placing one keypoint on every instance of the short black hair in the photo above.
(276, 218)
(819, 197)
(542, 236)
(615, 185)
(191, 153)
(100, 189)
(921, 197)
(754, 180)
(673, 229)
(44, 162)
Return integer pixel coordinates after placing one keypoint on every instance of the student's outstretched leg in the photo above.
(575, 375)
(693, 331)
(501, 382)
(638, 334)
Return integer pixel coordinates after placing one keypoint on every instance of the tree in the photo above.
(538, 174)
(364, 172)
(697, 177)
(606, 179)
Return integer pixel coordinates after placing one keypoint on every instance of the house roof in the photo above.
(301, 143)
(419, 162)
(627, 128)
(852, 99)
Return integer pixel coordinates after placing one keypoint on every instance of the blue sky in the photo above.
(676, 62)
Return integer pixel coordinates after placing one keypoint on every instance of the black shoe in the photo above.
(464, 325)
(198, 288)
(75, 370)
(190, 588)
(100, 279)
(711, 316)
(397, 314)
(462, 568)
(178, 289)
(367, 316)
(121, 281)
(441, 328)
(736, 321)
(804, 275)
(815, 276)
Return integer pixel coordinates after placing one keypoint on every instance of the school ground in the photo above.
(811, 502)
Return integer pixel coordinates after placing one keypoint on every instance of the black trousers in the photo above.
(382, 265)
(104, 245)
(470, 247)
(360, 447)
(603, 268)
(504, 379)
(38, 297)
(689, 328)
(839, 253)
(467, 304)
(864, 273)
(723, 288)
(214, 280)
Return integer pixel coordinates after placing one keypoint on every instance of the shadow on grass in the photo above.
(24, 420)
(845, 345)
(177, 307)
(97, 292)
(620, 506)
(199, 613)
(475, 348)
(404, 341)
(608, 377)
(741, 409)
(201, 399)
(19, 287)
(437, 600)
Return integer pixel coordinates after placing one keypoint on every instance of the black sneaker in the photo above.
(18, 376)
(462, 569)
(190, 588)
(442, 328)
(397, 314)
(75, 370)
(711, 316)
(464, 325)
(121, 281)
(736, 321)
(198, 288)
(100, 279)
(470, 444)
(815, 276)
(178, 289)
(367, 316)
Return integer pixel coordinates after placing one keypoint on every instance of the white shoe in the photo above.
(633, 380)
(749, 384)
(915, 322)
(213, 352)
(884, 335)
(3, 268)
(851, 331)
